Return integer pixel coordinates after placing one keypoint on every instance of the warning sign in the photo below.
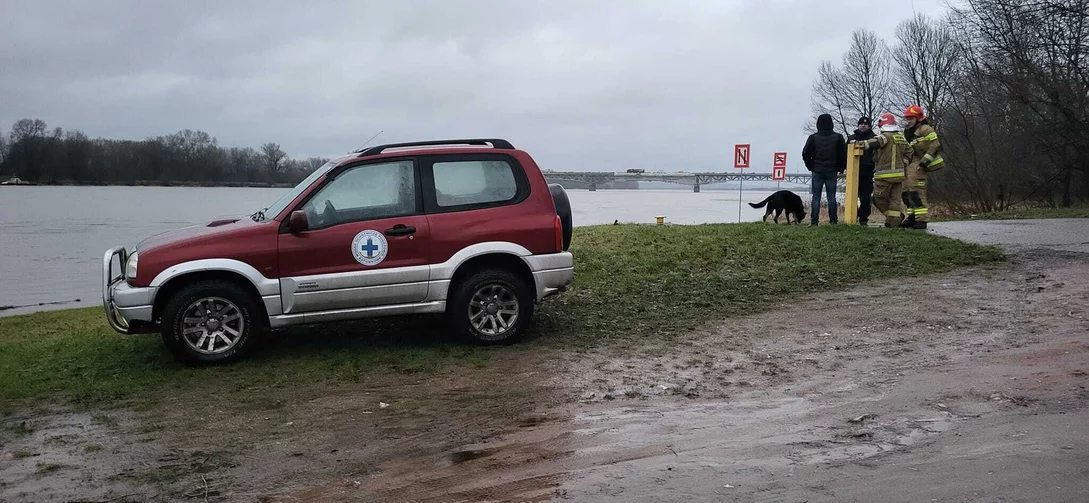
(741, 156)
(778, 173)
(780, 160)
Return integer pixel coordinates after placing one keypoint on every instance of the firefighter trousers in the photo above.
(887, 196)
(915, 193)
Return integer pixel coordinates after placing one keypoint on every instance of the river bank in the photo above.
(90, 414)
(633, 283)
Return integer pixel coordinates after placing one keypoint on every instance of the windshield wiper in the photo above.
(260, 215)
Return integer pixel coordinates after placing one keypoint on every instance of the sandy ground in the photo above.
(969, 386)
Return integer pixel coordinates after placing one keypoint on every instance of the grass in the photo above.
(48, 467)
(633, 282)
(1022, 213)
(74, 354)
(658, 281)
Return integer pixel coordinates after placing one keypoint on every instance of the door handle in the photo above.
(400, 230)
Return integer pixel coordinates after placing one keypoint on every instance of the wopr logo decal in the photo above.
(369, 247)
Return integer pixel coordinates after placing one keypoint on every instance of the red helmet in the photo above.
(914, 112)
(887, 122)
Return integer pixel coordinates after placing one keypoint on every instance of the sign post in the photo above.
(850, 206)
(741, 161)
(779, 168)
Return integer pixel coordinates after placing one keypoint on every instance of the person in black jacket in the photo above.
(865, 171)
(825, 155)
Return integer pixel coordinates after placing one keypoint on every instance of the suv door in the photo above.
(477, 198)
(367, 242)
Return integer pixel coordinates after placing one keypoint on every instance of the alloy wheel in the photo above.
(493, 310)
(212, 325)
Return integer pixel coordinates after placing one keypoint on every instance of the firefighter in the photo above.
(925, 158)
(890, 160)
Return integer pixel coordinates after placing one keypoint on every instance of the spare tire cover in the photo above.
(563, 209)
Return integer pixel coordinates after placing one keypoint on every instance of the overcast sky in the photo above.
(581, 85)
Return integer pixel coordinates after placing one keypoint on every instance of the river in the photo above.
(52, 238)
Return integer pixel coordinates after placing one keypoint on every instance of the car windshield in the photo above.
(282, 203)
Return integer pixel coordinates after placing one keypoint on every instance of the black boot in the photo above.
(919, 224)
(863, 222)
(908, 222)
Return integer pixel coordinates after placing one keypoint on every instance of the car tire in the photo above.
(212, 322)
(491, 306)
(563, 209)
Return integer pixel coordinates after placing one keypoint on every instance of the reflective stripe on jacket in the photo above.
(926, 148)
(890, 158)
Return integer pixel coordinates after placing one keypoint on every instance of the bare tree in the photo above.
(861, 86)
(27, 128)
(926, 58)
(243, 164)
(829, 96)
(867, 68)
(977, 139)
(28, 147)
(274, 158)
(1037, 54)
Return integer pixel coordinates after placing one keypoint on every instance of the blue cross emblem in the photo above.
(369, 248)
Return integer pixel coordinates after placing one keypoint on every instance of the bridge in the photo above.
(593, 178)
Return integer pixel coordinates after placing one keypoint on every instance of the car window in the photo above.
(459, 183)
(366, 192)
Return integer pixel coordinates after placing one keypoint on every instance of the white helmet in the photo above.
(888, 123)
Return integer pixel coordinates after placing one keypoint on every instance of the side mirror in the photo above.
(298, 222)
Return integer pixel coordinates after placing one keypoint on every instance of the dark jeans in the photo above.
(865, 191)
(826, 181)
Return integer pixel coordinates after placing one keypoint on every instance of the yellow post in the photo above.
(850, 206)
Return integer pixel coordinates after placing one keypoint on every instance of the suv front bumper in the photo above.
(127, 308)
(551, 273)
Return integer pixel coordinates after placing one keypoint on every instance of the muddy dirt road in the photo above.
(969, 386)
(962, 387)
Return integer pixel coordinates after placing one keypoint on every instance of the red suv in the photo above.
(468, 228)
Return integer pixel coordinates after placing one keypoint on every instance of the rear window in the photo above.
(460, 183)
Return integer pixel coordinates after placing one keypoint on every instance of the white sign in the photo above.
(369, 247)
(780, 160)
(778, 173)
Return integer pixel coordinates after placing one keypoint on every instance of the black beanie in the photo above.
(864, 120)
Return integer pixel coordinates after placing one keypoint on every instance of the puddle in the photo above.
(58, 454)
(463, 456)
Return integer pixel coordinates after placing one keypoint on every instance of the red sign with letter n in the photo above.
(741, 156)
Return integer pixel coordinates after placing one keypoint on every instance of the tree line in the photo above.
(1006, 84)
(35, 153)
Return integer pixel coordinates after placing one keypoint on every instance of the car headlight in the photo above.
(130, 266)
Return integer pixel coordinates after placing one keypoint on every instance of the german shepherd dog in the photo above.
(783, 200)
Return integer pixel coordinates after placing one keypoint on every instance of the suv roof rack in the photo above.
(494, 142)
